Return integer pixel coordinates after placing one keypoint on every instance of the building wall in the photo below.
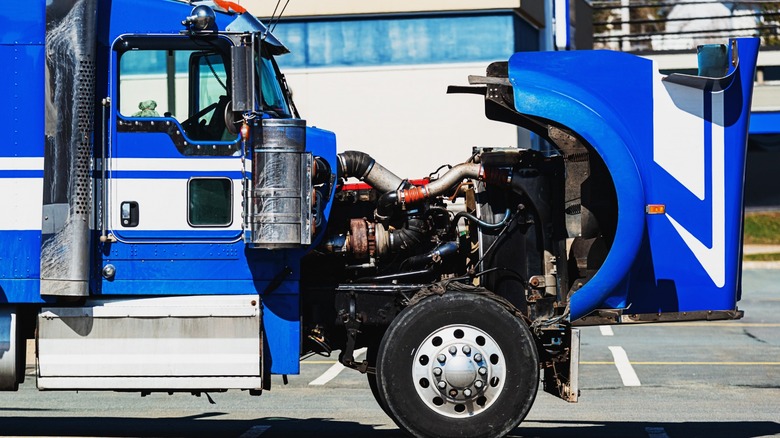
(380, 82)
(401, 116)
(314, 8)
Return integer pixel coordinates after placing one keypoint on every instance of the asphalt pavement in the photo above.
(692, 379)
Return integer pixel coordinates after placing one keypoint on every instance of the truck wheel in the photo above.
(372, 378)
(458, 364)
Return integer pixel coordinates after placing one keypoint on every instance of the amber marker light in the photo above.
(655, 209)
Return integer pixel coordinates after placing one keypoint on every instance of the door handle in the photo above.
(129, 214)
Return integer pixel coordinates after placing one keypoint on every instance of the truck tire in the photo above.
(457, 365)
(372, 378)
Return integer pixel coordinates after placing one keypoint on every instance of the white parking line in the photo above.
(606, 330)
(627, 373)
(334, 370)
(254, 431)
(656, 432)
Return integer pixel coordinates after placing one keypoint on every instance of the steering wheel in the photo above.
(191, 126)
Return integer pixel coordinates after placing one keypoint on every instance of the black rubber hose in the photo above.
(409, 237)
(386, 205)
(360, 165)
(322, 171)
(444, 250)
(480, 223)
(355, 164)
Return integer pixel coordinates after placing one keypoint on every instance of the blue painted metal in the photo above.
(22, 90)
(21, 137)
(650, 268)
(24, 23)
(708, 278)
(600, 107)
(765, 122)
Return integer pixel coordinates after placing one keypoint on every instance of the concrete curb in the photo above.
(761, 265)
(761, 249)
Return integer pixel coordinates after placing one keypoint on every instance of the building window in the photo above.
(404, 40)
(210, 202)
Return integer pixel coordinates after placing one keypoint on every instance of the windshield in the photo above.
(274, 101)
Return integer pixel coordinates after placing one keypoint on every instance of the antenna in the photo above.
(272, 24)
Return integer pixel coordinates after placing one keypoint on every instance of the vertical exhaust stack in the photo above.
(67, 193)
(281, 193)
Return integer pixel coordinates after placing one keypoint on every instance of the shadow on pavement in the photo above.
(203, 425)
(208, 425)
(627, 429)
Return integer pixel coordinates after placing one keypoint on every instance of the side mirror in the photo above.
(242, 78)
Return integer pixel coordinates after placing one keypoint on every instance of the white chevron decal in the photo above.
(712, 259)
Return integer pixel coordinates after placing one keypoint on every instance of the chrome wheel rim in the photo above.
(459, 371)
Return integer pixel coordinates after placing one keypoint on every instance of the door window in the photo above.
(187, 84)
(210, 202)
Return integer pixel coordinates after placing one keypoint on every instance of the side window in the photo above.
(190, 86)
(154, 83)
(210, 202)
(273, 96)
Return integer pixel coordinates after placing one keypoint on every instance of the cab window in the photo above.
(184, 81)
(274, 101)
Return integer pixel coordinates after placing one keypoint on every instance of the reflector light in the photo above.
(655, 209)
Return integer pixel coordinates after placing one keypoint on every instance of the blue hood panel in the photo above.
(677, 141)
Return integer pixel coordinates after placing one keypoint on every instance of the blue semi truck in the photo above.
(170, 223)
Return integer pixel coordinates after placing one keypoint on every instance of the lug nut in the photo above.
(478, 384)
(437, 371)
(467, 392)
(482, 371)
(442, 358)
(453, 350)
(442, 384)
(466, 349)
(478, 357)
(453, 392)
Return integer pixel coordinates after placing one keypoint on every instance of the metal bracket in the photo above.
(352, 324)
(11, 352)
(561, 361)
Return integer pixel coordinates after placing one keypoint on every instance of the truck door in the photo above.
(173, 165)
